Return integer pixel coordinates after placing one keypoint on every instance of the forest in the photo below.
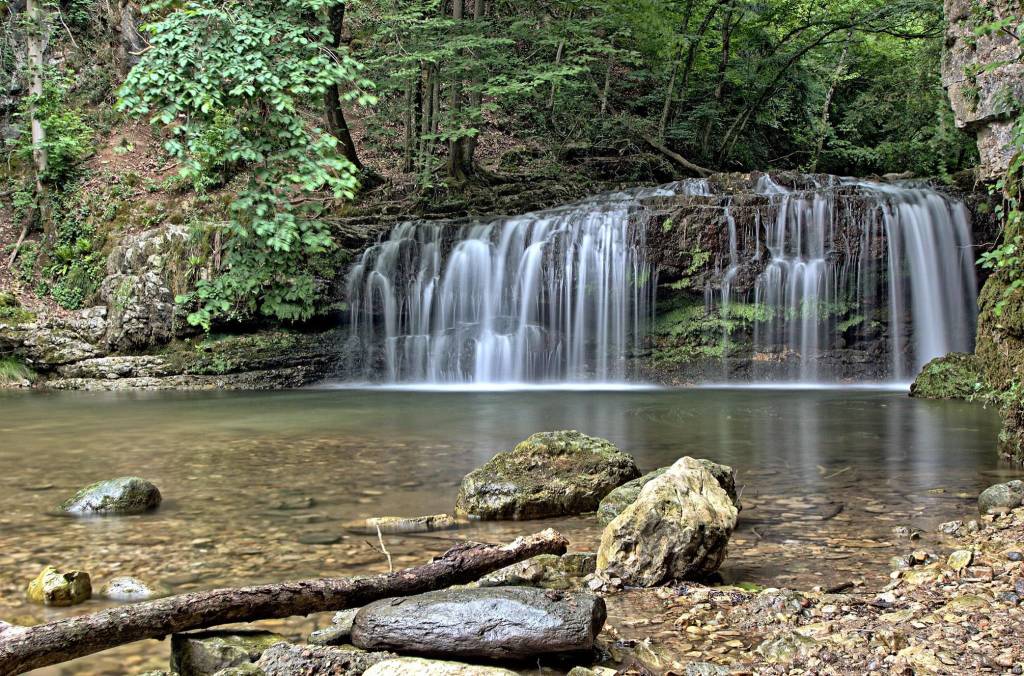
(270, 116)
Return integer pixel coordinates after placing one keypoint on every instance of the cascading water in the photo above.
(557, 295)
(565, 294)
(924, 280)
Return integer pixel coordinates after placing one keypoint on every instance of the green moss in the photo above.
(689, 332)
(954, 376)
(11, 311)
(221, 354)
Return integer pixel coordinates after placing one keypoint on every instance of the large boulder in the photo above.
(417, 666)
(287, 659)
(491, 623)
(1001, 498)
(54, 588)
(678, 528)
(203, 653)
(124, 495)
(626, 494)
(953, 376)
(549, 474)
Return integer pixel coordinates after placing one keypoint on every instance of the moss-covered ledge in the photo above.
(956, 375)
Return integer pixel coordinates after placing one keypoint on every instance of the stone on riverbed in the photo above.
(399, 524)
(123, 495)
(417, 666)
(626, 494)
(547, 570)
(490, 623)
(128, 590)
(287, 659)
(54, 588)
(203, 653)
(548, 474)
(1001, 498)
(678, 528)
(339, 630)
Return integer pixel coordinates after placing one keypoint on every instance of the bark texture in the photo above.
(26, 648)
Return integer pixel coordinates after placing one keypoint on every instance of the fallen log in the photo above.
(26, 648)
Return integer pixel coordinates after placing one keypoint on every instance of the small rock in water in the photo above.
(286, 659)
(678, 528)
(204, 653)
(289, 504)
(491, 623)
(54, 588)
(319, 539)
(1001, 498)
(960, 559)
(127, 589)
(124, 495)
(548, 474)
(951, 527)
(338, 632)
(418, 666)
(398, 524)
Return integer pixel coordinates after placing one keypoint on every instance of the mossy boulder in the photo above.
(549, 474)
(626, 494)
(54, 588)
(1001, 498)
(203, 653)
(123, 495)
(678, 528)
(954, 376)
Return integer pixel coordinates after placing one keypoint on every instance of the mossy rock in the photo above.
(549, 474)
(615, 502)
(123, 495)
(204, 653)
(1001, 498)
(954, 376)
(54, 588)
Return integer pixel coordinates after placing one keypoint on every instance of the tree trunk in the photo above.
(336, 123)
(476, 98)
(35, 44)
(723, 67)
(455, 168)
(409, 128)
(823, 121)
(26, 648)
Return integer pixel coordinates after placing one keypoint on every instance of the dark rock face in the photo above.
(124, 495)
(507, 623)
(1001, 498)
(549, 474)
(954, 376)
(204, 653)
(286, 659)
(615, 502)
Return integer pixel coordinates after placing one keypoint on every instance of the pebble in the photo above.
(1015, 556)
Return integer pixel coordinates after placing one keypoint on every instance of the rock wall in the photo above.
(984, 77)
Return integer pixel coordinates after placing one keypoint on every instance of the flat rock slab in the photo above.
(417, 666)
(502, 623)
(287, 659)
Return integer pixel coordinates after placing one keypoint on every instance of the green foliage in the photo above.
(229, 83)
(76, 262)
(68, 139)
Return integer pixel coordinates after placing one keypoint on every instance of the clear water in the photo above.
(229, 463)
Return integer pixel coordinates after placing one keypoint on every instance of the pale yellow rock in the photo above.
(54, 588)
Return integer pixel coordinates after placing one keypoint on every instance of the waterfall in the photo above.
(557, 295)
(924, 278)
(816, 272)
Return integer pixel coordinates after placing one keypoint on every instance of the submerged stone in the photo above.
(548, 474)
(128, 589)
(491, 623)
(1001, 498)
(54, 588)
(678, 528)
(123, 495)
(547, 570)
(626, 494)
(204, 653)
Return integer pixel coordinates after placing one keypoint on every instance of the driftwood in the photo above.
(26, 648)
